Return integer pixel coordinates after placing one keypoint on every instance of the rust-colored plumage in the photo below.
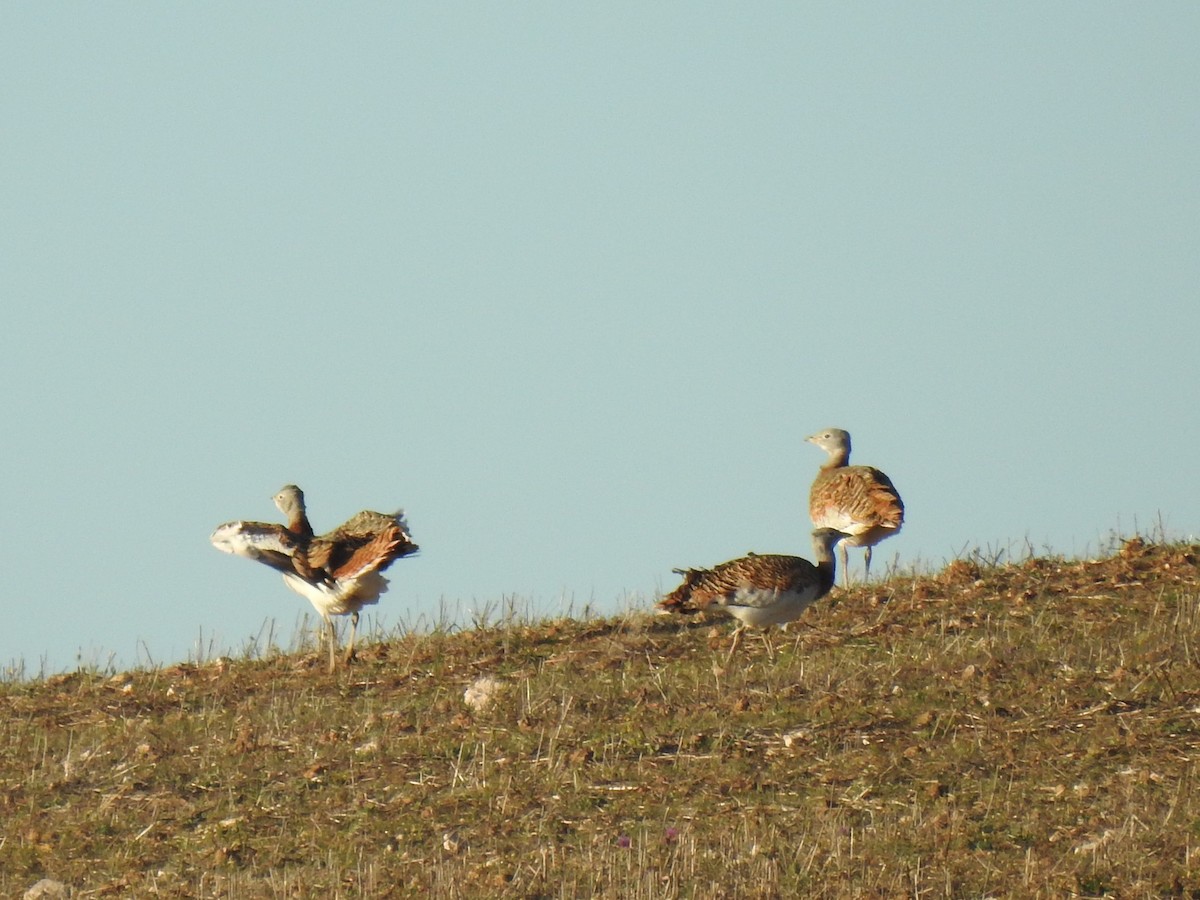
(759, 591)
(860, 501)
(368, 540)
(339, 572)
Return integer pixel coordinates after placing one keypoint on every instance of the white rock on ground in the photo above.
(481, 693)
(47, 889)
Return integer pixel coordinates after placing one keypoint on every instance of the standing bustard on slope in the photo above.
(759, 591)
(339, 572)
(858, 500)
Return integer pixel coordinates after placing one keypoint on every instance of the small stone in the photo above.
(47, 889)
(482, 693)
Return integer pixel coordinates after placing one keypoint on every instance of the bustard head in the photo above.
(825, 539)
(834, 441)
(290, 501)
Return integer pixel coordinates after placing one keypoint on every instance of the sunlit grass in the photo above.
(1008, 726)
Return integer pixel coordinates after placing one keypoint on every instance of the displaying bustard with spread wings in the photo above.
(858, 500)
(758, 590)
(338, 572)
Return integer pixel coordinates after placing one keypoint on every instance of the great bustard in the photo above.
(858, 500)
(339, 572)
(758, 591)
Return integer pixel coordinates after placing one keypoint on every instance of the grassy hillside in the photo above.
(1016, 730)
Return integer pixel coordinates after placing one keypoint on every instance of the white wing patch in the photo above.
(241, 539)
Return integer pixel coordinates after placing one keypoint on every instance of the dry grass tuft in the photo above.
(1029, 729)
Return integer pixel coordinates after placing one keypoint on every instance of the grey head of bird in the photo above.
(825, 539)
(834, 441)
(290, 500)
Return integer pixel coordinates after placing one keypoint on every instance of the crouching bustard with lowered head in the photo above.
(858, 500)
(339, 572)
(758, 590)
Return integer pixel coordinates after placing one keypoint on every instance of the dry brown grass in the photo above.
(1020, 730)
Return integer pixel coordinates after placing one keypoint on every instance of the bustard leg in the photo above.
(842, 558)
(766, 637)
(737, 639)
(867, 564)
(331, 636)
(353, 631)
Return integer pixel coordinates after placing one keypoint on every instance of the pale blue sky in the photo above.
(570, 283)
